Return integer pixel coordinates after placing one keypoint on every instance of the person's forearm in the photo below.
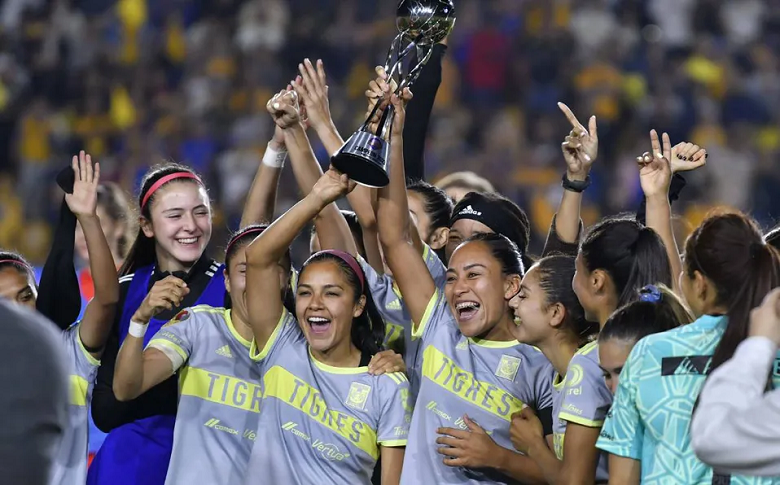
(330, 137)
(269, 248)
(567, 221)
(393, 207)
(304, 164)
(260, 204)
(518, 466)
(101, 264)
(546, 460)
(659, 219)
(129, 370)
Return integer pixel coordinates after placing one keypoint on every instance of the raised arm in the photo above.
(264, 301)
(136, 370)
(408, 268)
(260, 204)
(331, 227)
(99, 315)
(580, 149)
(655, 175)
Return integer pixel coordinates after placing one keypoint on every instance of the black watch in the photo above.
(578, 186)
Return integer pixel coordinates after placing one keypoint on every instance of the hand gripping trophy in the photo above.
(421, 25)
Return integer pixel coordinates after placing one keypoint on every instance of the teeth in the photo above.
(318, 320)
(466, 304)
(189, 240)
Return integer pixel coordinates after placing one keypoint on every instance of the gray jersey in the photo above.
(70, 465)
(488, 381)
(323, 424)
(584, 400)
(398, 322)
(219, 397)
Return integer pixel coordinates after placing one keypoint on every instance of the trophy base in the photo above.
(364, 159)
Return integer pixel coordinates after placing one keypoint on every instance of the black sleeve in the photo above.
(59, 296)
(678, 183)
(545, 416)
(107, 412)
(418, 114)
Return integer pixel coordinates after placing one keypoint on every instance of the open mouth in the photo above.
(188, 241)
(318, 325)
(467, 310)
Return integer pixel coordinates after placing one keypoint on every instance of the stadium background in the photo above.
(137, 82)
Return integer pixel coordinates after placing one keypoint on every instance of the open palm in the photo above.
(83, 200)
(655, 169)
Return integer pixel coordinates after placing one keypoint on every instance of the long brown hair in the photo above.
(729, 250)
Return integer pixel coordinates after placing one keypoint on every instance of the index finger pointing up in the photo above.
(570, 116)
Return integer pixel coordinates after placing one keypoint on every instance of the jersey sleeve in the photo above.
(435, 267)
(395, 407)
(586, 398)
(175, 339)
(436, 313)
(623, 430)
(84, 366)
(285, 330)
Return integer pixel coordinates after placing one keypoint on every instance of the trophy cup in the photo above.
(421, 25)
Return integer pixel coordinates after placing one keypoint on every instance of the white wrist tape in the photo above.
(273, 158)
(137, 330)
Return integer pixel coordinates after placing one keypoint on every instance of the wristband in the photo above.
(273, 158)
(578, 186)
(137, 330)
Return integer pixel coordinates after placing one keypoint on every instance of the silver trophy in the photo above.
(421, 25)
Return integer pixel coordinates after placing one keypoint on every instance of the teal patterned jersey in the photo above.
(651, 416)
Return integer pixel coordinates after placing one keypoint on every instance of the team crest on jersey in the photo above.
(462, 345)
(358, 395)
(507, 367)
(180, 317)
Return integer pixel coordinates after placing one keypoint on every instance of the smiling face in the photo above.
(612, 357)
(532, 313)
(325, 305)
(181, 224)
(17, 286)
(477, 290)
(461, 230)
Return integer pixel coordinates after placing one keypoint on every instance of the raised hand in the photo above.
(332, 186)
(379, 91)
(687, 156)
(83, 201)
(580, 147)
(166, 294)
(655, 168)
(285, 109)
(311, 87)
(399, 103)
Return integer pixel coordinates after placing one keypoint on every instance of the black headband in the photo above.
(493, 213)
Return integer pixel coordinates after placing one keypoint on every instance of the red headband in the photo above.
(242, 234)
(351, 262)
(165, 180)
(16, 262)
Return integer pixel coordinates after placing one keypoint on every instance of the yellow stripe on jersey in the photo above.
(288, 388)
(228, 390)
(393, 333)
(398, 377)
(443, 371)
(78, 390)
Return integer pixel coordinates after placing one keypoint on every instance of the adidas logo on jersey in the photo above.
(470, 211)
(224, 351)
(394, 305)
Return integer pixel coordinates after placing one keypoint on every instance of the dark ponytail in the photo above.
(438, 205)
(555, 275)
(142, 252)
(368, 329)
(633, 255)
(728, 249)
(657, 310)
